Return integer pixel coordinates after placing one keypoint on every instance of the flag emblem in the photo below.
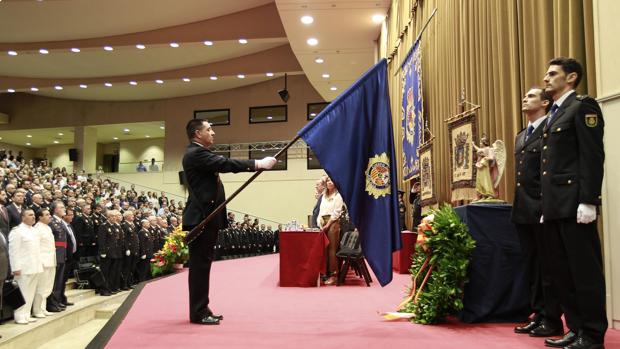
(378, 176)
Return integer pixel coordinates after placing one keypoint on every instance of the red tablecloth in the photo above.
(401, 259)
(302, 256)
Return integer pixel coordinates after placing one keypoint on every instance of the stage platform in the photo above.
(259, 314)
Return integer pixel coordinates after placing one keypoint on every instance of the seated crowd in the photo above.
(245, 239)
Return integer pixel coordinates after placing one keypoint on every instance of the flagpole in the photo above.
(197, 231)
(428, 21)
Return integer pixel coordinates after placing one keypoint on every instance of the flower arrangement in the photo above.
(175, 251)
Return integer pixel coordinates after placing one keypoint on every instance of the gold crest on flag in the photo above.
(378, 176)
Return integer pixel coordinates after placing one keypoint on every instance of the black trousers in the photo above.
(59, 286)
(127, 271)
(201, 256)
(573, 256)
(111, 269)
(544, 303)
(144, 269)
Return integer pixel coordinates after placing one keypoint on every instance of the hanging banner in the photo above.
(411, 113)
(462, 132)
(427, 183)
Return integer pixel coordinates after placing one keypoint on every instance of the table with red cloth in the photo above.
(302, 258)
(401, 259)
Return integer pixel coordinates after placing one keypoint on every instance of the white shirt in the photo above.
(48, 246)
(563, 98)
(71, 235)
(25, 250)
(537, 122)
(330, 205)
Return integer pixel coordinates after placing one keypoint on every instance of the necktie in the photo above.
(552, 113)
(530, 130)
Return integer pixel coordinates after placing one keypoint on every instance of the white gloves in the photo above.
(586, 213)
(143, 256)
(542, 219)
(128, 253)
(103, 256)
(265, 163)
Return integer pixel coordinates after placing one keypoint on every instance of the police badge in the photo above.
(378, 176)
(591, 120)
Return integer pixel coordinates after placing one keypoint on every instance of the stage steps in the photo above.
(73, 328)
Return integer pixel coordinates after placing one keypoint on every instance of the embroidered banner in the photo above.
(411, 111)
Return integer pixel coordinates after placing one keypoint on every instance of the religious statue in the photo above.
(490, 163)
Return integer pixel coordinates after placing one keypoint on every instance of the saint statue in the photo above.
(490, 163)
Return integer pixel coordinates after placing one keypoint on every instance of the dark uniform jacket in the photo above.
(60, 238)
(572, 158)
(526, 207)
(4, 222)
(146, 243)
(132, 241)
(4, 260)
(110, 240)
(206, 191)
(84, 229)
(15, 217)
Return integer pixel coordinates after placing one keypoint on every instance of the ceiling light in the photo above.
(243, 41)
(319, 60)
(107, 84)
(133, 83)
(12, 53)
(28, 143)
(125, 130)
(333, 88)
(269, 117)
(162, 127)
(186, 79)
(307, 19)
(61, 134)
(43, 51)
(159, 81)
(213, 77)
(10, 90)
(147, 136)
(174, 44)
(58, 87)
(269, 74)
(378, 18)
(140, 47)
(0, 138)
(325, 76)
(56, 142)
(83, 86)
(115, 138)
(208, 43)
(241, 76)
(29, 136)
(312, 42)
(108, 48)
(34, 89)
(312, 114)
(75, 50)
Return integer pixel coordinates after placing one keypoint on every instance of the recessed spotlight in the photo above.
(133, 83)
(34, 89)
(312, 114)
(333, 88)
(319, 60)
(159, 81)
(378, 18)
(10, 90)
(140, 47)
(107, 84)
(213, 77)
(61, 134)
(269, 117)
(241, 76)
(125, 130)
(75, 49)
(29, 136)
(83, 86)
(174, 44)
(269, 74)
(147, 136)
(28, 143)
(12, 53)
(43, 51)
(0, 138)
(208, 43)
(243, 41)
(312, 42)
(186, 79)
(108, 48)
(162, 127)
(325, 76)
(115, 138)
(56, 142)
(58, 87)
(307, 19)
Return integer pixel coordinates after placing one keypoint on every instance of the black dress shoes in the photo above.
(53, 309)
(584, 343)
(546, 330)
(67, 304)
(567, 339)
(219, 317)
(527, 328)
(207, 320)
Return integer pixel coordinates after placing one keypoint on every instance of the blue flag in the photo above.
(411, 120)
(352, 138)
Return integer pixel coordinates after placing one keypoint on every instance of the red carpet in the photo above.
(258, 314)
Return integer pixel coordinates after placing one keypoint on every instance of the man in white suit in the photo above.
(48, 259)
(24, 254)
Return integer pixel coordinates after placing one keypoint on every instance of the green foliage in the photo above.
(450, 245)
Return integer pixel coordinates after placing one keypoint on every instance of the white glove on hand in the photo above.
(143, 256)
(103, 256)
(265, 163)
(586, 213)
(542, 219)
(127, 253)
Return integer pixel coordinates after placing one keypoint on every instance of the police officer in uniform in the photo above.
(132, 249)
(526, 211)
(571, 179)
(84, 228)
(111, 251)
(54, 301)
(146, 251)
